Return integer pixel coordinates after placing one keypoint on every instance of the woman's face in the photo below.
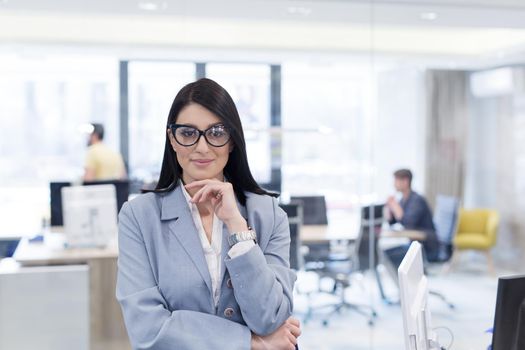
(201, 160)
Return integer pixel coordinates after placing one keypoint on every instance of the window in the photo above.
(45, 99)
(152, 89)
(326, 127)
(249, 86)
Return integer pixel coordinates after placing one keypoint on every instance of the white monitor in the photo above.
(90, 215)
(413, 289)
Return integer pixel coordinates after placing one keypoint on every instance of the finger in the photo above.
(208, 193)
(292, 339)
(201, 183)
(197, 195)
(296, 331)
(202, 193)
(294, 321)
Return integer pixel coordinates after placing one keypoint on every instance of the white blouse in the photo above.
(212, 252)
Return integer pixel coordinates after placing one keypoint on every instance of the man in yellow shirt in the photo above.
(102, 163)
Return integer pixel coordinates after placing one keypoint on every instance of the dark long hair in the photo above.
(216, 99)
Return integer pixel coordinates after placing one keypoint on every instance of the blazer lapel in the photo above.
(175, 209)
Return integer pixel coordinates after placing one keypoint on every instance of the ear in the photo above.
(231, 146)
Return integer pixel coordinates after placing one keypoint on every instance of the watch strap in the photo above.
(242, 236)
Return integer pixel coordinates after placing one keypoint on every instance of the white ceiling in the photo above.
(462, 13)
(477, 29)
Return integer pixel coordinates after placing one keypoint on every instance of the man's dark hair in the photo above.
(404, 174)
(98, 129)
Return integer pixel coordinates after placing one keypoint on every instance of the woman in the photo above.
(203, 259)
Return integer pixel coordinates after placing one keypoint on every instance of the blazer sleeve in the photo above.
(149, 322)
(263, 281)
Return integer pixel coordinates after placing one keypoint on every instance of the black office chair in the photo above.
(339, 268)
(295, 219)
(445, 221)
(313, 213)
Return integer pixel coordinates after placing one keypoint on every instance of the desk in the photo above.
(325, 233)
(107, 330)
(414, 235)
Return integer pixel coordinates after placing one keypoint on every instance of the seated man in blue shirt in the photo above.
(413, 212)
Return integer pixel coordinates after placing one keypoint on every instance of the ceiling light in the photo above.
(299, 11)
(152, 6)
(428, 16)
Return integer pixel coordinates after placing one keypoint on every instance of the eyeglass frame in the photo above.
(174, 126)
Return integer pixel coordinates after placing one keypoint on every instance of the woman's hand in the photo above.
(220, 198)
(284, 338)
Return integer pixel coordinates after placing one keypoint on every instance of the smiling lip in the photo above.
(202, 162)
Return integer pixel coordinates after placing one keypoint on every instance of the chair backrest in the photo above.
(446, 218)
(294, 211)
(314, 209)
(445, 221)
(362, 246)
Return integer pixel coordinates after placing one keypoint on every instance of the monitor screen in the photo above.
(90, 215)
(55, 189)
(509, 320)
(413, 290)
(314, 209)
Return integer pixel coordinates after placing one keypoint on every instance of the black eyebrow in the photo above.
(209, 126)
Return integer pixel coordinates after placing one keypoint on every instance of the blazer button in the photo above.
(229, 283)
(228, 312)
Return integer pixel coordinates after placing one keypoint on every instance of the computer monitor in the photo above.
(413, 290)
(509, 320)
(90, 215)
(55, 189)
(314, 209)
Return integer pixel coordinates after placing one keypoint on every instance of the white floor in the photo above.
(468, 286)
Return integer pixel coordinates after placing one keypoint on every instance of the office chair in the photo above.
(295, 219)
(445, 221)
(445, 218)
(313, 213)
(340, 268)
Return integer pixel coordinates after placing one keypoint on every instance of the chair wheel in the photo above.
(371, 323)
(325, 323)
(451, 306)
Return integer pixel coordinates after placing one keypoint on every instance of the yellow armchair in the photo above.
(477, 230)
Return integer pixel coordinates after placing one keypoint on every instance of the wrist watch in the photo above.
(242, 236)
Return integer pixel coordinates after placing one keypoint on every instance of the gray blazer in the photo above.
(164, 286)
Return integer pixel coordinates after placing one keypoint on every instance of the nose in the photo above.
(202, 145)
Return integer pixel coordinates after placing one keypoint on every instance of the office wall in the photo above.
(401, 128)
(496, 158)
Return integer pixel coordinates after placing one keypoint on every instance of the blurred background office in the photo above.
(334, 97)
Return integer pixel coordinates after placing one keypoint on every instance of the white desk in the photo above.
(107, 330)
(44, 307)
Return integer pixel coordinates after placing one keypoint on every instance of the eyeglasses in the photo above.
(217, 135)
